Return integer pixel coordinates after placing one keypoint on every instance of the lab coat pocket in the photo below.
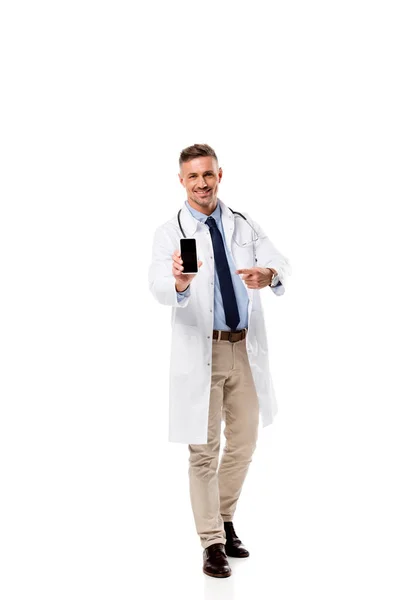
(244, 257)
(185, 349)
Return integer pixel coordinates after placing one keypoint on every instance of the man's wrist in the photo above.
(181, 291)
(274, 280)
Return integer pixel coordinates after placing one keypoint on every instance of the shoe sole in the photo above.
(217, 574)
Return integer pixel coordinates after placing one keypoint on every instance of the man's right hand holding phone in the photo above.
(182, 281)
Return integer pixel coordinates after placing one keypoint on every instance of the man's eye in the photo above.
(206, 175)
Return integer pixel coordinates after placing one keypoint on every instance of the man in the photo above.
(219, 354)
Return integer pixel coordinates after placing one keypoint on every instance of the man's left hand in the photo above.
(257, 277)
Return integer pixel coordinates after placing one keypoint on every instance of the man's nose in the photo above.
(202, 182)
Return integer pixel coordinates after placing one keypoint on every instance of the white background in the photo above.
(300, 101)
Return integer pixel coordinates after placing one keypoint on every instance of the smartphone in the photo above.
(189, 256)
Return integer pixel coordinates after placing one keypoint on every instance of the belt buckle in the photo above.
(229, 337)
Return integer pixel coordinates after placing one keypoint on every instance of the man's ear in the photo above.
(180, 179)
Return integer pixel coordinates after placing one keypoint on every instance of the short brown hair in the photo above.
(195, 151)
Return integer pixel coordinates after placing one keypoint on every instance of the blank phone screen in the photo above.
(188, 255)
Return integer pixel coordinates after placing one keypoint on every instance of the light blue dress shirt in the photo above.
(242, 297)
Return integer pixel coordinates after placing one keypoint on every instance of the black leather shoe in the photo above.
(215, 562)
(234, 546)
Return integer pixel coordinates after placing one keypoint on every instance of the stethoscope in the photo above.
(235, 213)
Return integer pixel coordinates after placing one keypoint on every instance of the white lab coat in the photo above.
(192, 319)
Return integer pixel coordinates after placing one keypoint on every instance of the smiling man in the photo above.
(219, 368)
(202, 183)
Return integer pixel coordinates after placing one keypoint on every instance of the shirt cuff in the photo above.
(181, 295)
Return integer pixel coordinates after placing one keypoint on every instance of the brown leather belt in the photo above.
(231, 336)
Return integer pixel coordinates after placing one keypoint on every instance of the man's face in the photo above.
(200, 177)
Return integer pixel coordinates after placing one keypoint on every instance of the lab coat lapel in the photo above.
(228, 223)
(188, 221)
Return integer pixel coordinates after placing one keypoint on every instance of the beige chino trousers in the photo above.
(214, 492)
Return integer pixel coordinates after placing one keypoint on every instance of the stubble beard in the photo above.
(213, 201)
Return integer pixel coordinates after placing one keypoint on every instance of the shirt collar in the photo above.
(216, 214)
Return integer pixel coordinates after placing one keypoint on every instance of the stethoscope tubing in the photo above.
(235, 212)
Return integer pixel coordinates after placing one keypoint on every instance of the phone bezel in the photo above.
(197, 260)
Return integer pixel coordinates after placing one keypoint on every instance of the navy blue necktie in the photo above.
(224, 275)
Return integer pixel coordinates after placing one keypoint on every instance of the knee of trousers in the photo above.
(243, 447)
(243, 439)
(203, 464)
